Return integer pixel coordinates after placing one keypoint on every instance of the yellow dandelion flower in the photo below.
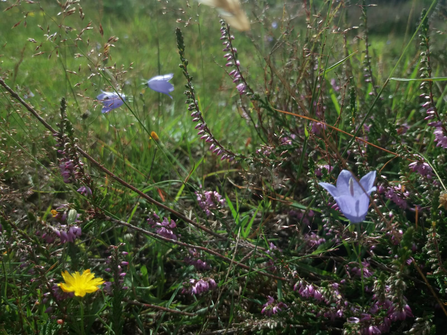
(80, 284)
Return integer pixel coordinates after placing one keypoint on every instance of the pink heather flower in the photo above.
(313, 240)
(197, 287)
(397, 196)
(422, 168)
(334, 85)
(67, 171)
(371, 330)
(385, 326)
(209, 200)
(68, 233)
(357, 271)
(269, 308)
(164, 228)
(319, 170)
(195, 261)
(440, 137)
(85, 190)
(241, 88)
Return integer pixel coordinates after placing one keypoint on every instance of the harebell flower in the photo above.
(352, 198)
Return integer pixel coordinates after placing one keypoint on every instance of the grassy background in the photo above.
(44, 59)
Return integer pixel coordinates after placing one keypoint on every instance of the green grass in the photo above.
(270, 194)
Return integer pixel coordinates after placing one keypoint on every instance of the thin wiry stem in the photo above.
(191, 246)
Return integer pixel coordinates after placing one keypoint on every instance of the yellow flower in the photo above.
(80, 284)
(154, 136)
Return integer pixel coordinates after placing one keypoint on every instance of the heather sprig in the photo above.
(115, 286)
(193, 107)
(427, 96)
(164, 228)
(209, 201)
(70, 164)
(233, 61)
(199, 286)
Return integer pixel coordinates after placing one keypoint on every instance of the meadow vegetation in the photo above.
(293, 182)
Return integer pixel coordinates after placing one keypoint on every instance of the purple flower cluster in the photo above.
(309, 291)
(362, 271)
(195, 261)
(209, 200)
(397, 194)
(422, 168)
(108, 285)
(383, 311)
(440, 136)
(392, 314)
(320, 168)
(85, 191)
(287, 139)
(270, 308)
(67, 170)
(335, 304)
(164, 228)
(313, 240)
(68, 233)
(265, 150)
(197, 287)
(204, 132)
(70, 166)
(65, 227)
(334, 85)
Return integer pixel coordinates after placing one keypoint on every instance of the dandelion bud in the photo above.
(72, 216)
(443, 200)
(154, 136)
